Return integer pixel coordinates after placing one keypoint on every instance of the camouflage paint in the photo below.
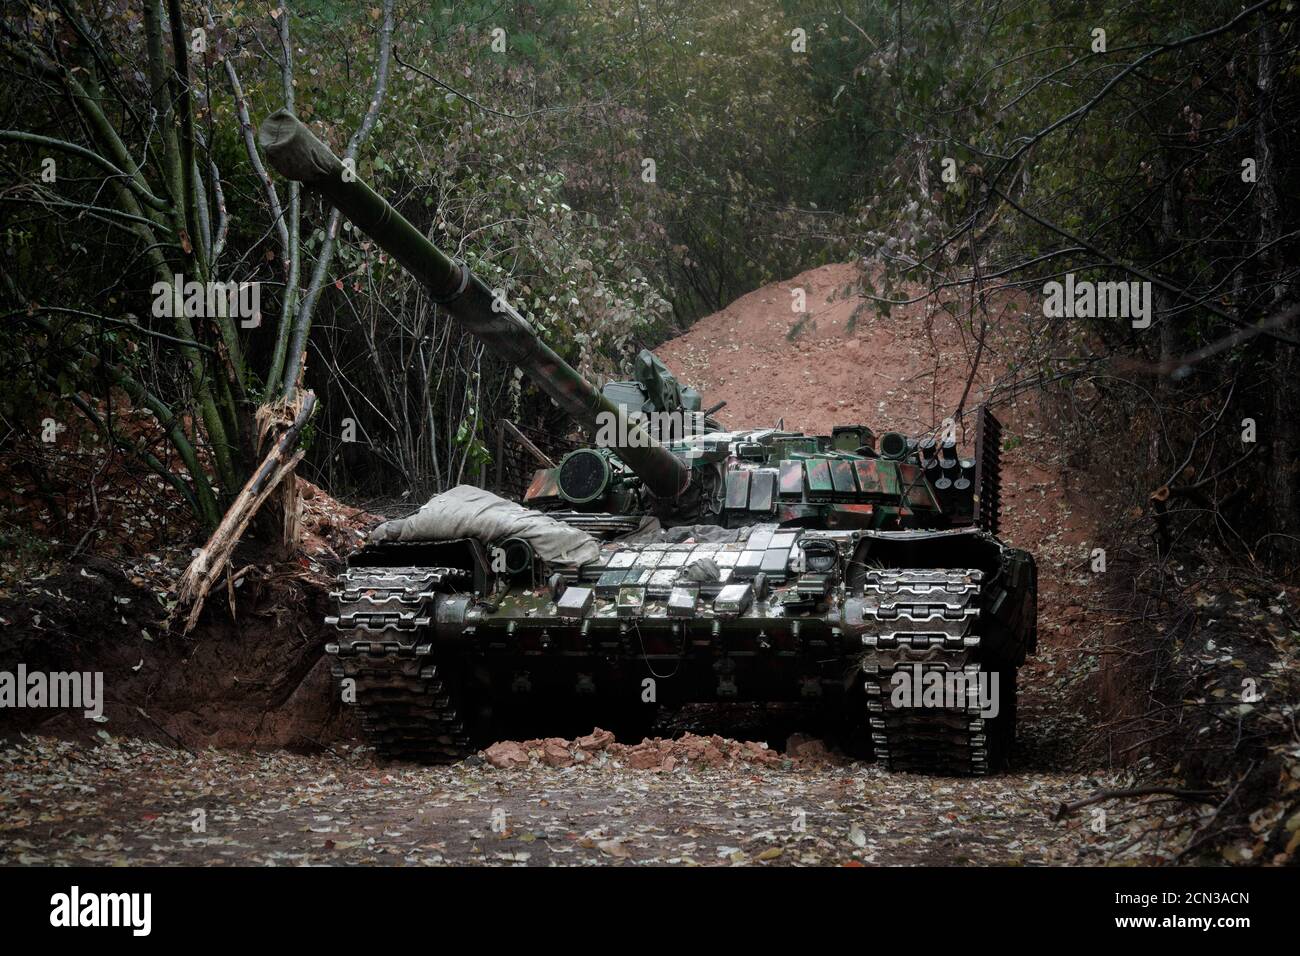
(791, 479)
(842, 478)
(819, 476)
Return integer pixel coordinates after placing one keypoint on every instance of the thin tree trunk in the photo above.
(1283, 473)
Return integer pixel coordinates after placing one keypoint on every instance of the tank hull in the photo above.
(589, 642)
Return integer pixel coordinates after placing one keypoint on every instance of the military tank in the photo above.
(856, 572)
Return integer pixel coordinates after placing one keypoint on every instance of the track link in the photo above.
(929, 618)
(407, 700)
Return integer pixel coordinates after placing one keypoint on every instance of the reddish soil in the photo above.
(252, 673)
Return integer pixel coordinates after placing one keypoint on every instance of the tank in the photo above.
(675, 561)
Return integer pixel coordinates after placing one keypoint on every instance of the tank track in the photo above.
(928, 617)
(407, 701)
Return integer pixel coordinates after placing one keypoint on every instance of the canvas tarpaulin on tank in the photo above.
(469, 512)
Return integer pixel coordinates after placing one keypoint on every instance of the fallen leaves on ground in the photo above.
(128, 801)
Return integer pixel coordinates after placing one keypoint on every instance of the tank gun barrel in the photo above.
(297, 154)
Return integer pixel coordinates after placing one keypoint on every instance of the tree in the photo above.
(147, 140)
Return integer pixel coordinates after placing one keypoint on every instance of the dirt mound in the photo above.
(331, 529)
(600, 749)
(840, 362)
(252, 673)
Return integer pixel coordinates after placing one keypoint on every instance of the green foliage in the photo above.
(782, 136)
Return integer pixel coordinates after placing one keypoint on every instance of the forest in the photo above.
(1080, 215)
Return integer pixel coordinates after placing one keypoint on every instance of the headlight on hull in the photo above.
(583, 476)
(820, 557)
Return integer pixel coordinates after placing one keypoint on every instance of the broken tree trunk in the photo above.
(211, 560)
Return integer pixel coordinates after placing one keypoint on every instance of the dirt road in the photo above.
(139, 803)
